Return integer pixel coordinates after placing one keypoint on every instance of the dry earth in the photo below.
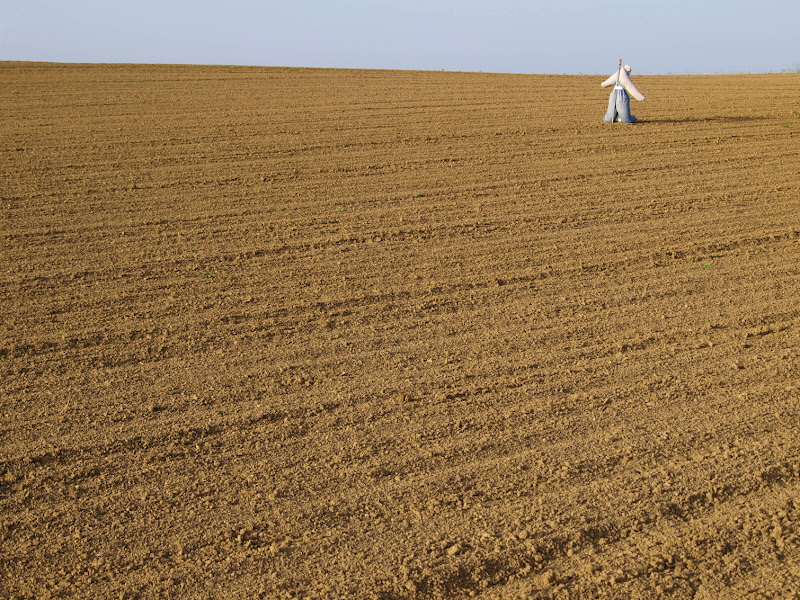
(292, 333)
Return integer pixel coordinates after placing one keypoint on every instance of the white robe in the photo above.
(619, 103)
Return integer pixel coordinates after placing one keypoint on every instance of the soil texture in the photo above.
(306, 333)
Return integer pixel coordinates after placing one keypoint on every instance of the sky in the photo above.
(498, 36)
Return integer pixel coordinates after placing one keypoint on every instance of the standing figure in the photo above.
(619, 103)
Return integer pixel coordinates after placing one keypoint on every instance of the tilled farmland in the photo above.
(305, 333)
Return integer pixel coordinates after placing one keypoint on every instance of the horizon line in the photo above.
(789, 71)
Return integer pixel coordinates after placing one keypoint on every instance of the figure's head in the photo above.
(627, 68)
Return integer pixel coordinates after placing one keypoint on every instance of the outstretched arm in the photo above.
(625, 81)
(610, 81)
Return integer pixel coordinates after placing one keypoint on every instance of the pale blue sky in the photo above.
(507, 36)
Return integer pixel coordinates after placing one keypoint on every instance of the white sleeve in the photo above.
(610, 81)
(625, 81)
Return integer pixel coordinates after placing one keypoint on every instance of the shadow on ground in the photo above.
(735, 119)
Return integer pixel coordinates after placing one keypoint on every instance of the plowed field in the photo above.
(296, 333)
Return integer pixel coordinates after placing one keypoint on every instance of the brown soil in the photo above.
(292, 333)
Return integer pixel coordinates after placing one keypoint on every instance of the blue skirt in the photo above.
(619, 107)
